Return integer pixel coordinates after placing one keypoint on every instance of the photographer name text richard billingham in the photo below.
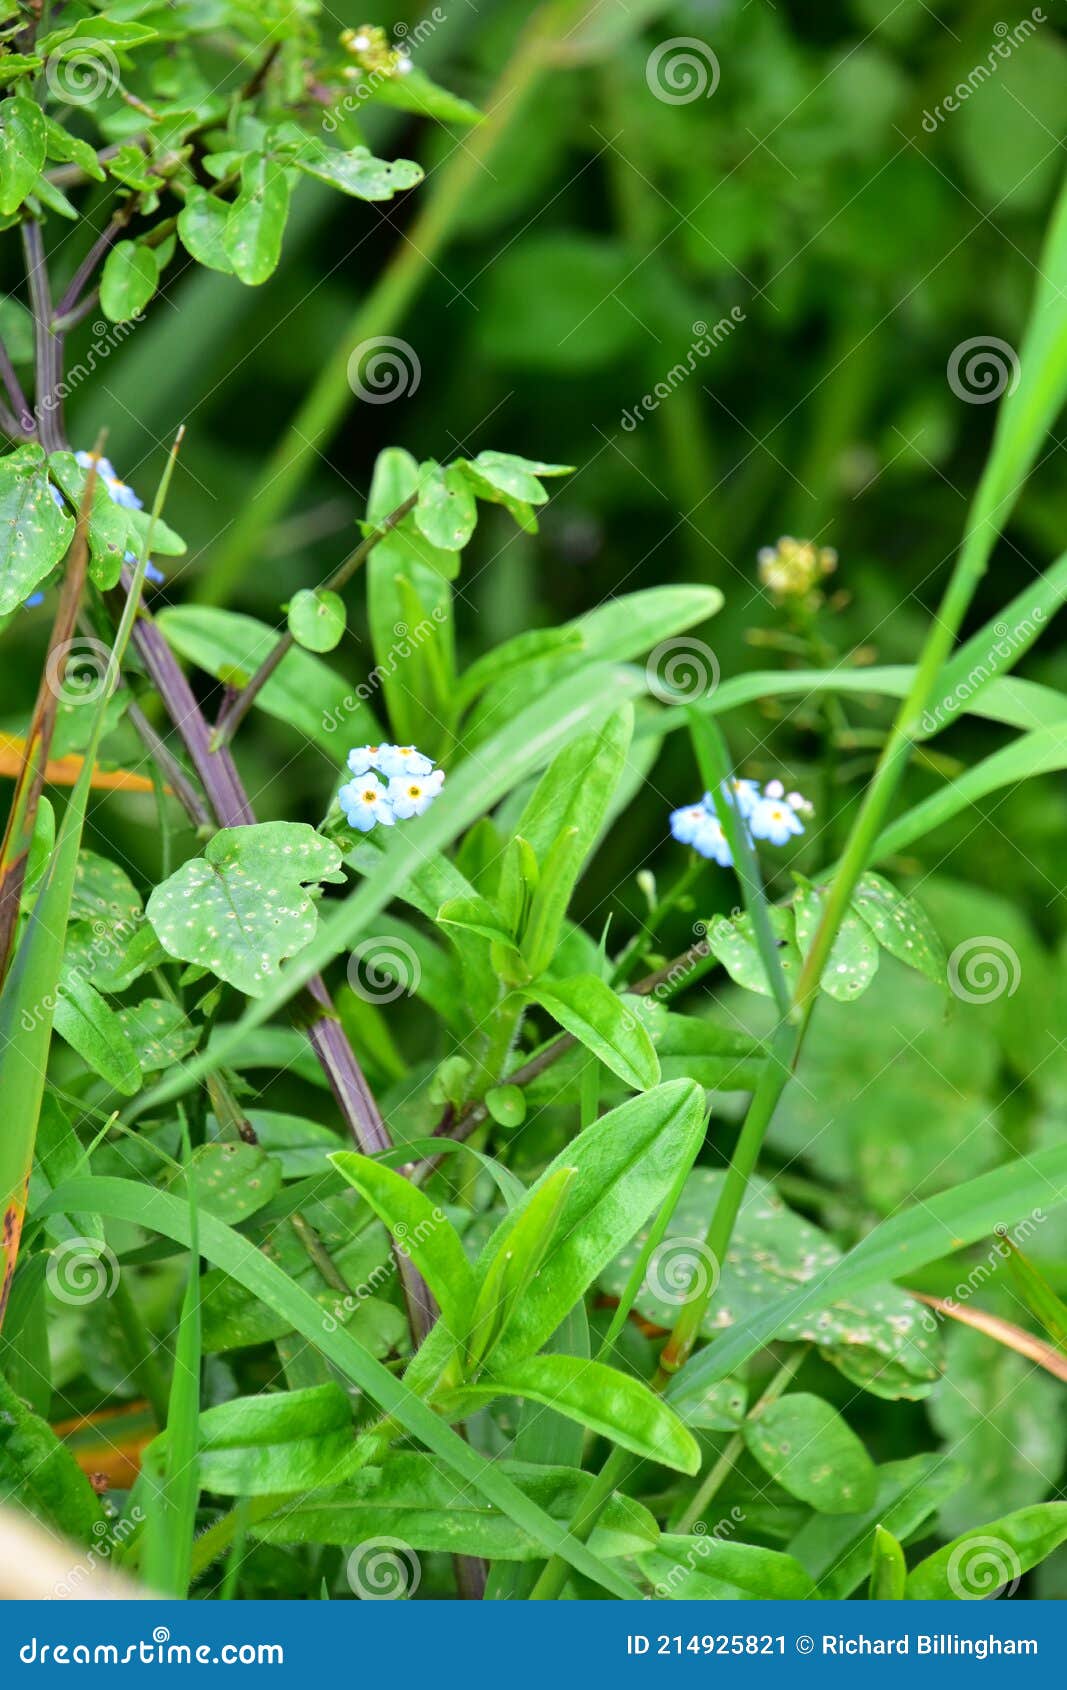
(929, 1643)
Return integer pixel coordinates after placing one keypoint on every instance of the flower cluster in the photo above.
(369, 46)
(413, 784)
(793, 568)
(771, 814)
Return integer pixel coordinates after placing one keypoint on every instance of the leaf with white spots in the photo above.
(232, 1181)
(243, 907)
(733, 941)
(158, 1032)
(256, 224)
(358, 172)
(853, 958)
(447, 511)
(34, 532)
(901, 926)
(882, 1340)
(813, 1453)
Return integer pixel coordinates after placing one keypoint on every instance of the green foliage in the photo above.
(506, 1180)
(242, 908)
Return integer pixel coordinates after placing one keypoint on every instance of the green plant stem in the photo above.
(722, 1468)
(385, 306)
(238, 705)
(144, 1361)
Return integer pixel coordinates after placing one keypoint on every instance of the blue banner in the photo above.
(535, 1644)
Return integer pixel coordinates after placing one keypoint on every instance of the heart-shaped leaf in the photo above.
(243, 907)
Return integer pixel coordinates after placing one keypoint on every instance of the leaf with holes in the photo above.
(880, 1339)
(852, 962)
(734, 943)
(243, 907)
(901, 926)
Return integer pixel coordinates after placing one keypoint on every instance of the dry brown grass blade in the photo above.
(64, 771)
(1002, 1331)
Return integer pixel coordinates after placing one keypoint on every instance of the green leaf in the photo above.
(879, 1340)
(615, 1405)
(242, 908)
(803, 1443)
(316, 618)
(39, 1473)
(938, 1227)
(901, 926)
(601, 1020)
(982, 1563)
(130, 278)
(414, 91)
(34, 534)
(837, 1549)
(889, 1570)
(627, 1161)
(507, 1105)
(422, 1230)
(302, 691)
(712, 1569)
(61, 43)
(529, 741)
(1037, 1293)
(232, 1181)
(733, 941)
(358, 172)
(113, 529)
(509, 659)
(202, 224)
(158, 1032)
(275, 1444)
(517, 1260)
(853, 959)
(256, 224)
(172, 1475)
(91, 1027)
(123, 1199)
(411, 1498)
(447, 512)
(22, 149)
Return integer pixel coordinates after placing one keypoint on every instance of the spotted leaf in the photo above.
(901, 926)
(853, 958)
(243, 907)
(34, 532)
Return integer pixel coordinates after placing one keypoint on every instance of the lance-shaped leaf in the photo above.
(411, 1497)
(991, 1559)
(243, 907)
(421, 1229)
(889, 1570)
(226, 1249)
(626, 1163)
(1036, 1292)
(40, 1474)
(836, 1549)
(275, 1444)
(711, 1569)
(515, 1264)
(616, 1405)
(601, 1020)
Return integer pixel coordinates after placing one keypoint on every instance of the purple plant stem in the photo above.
(227, 797)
